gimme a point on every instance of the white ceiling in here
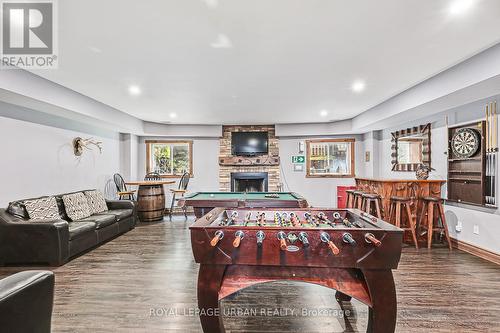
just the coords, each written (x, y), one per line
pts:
(281, 61)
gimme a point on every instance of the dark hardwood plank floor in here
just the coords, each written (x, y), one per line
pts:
(145, 281)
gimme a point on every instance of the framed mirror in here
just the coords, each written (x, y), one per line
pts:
(411, 147)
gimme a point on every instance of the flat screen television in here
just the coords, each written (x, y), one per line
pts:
(249, 143)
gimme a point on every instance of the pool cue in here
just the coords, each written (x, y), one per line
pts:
(488, 156)
(494, 134)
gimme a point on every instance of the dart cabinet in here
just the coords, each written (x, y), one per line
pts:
(466, 163)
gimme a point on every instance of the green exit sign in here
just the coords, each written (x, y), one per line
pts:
(298, 159)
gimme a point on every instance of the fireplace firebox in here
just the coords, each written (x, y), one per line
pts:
(249, 182)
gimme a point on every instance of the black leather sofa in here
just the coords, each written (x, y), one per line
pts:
(26, 300)
(55, 242)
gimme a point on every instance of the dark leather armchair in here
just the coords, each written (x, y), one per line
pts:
(26, 300)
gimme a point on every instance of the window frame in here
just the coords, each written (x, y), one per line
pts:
(189, 143)
(351, 141)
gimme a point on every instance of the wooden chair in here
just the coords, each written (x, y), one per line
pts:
(121, 188)
(372, 202)
(398, 208)
(430, 205)
(350, 198)
(152, 176)
(179, 193)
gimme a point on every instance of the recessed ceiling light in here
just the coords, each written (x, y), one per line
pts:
(211, 3)
(358, 86)
(134, 90)
(323, 113)
(95, 49)
(173, 115)
(222, 42)
(459, 7)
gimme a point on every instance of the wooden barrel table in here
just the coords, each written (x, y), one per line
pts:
(150, 199)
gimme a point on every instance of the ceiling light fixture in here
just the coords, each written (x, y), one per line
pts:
(323, 113)
(173, 115)
(358, 86)
(222, 42)
(134, 90)
(459, 7)
(95, 49)
(211, 3)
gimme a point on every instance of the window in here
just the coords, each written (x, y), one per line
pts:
(330, 158)
(169, 158)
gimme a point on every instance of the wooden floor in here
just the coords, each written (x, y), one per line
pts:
(145, 281)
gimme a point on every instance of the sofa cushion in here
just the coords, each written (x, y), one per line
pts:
(79, 228)
(100, 220)
(76, 206)
(42, 209)
(119, 213)
(96, 201)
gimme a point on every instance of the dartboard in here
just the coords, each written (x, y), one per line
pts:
(465, 142)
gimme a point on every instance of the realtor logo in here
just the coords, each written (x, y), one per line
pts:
(28, 35)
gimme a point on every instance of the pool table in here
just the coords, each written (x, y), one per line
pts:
(203, 202)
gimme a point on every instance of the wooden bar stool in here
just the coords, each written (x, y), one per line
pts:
(350, 198)
(428, 208)
(358, 200)
(371, 202)
(399, 206)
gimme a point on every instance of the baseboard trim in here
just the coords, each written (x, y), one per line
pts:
(476, 251)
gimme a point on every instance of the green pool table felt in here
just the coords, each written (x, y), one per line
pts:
(241, 196)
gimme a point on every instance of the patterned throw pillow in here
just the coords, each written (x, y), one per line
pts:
(96, 201)
(42, 209)
(76, 205)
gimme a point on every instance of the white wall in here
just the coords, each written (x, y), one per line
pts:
(129, 148)
(38, 160)
(320, 192)
(488, 220)
(205, 164)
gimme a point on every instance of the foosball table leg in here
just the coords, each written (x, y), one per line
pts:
(209, 283)
(382, 315)
(341, 297)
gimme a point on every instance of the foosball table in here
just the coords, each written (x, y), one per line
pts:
(343, 249)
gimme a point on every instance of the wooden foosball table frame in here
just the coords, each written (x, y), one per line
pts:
(364, 273)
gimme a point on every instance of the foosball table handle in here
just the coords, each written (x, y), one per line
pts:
(335, 250)
(370, 238)
(218, 236)
(237, 239)
(282, 238)
(283, 244)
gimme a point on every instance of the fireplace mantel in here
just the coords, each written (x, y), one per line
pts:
(249, 160)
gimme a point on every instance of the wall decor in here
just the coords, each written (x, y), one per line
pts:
(465, 142)
(79, 145)
(411, 147)
(422, 172)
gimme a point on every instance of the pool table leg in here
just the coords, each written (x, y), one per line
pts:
(209, 282)
(382, 315)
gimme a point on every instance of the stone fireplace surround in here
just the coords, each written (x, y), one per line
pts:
(273, 171)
